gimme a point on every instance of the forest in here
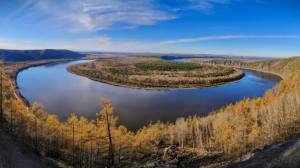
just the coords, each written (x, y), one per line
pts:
(227, 133)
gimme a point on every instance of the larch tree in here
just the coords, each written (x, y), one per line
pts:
(39, 114)
(182, 129)
(106, 118)
(72, 123)
(52, 125)
(1, 90)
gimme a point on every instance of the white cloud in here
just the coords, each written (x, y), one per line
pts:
(93, 15)
(13, 44)
(102, 43)
(206, 5)
(227, 37)
(98, 43)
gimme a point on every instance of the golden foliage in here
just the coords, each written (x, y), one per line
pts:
(232, 130)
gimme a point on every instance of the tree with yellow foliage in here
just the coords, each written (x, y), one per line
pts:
(106, 119)
(72, 124)
(39, 117)
(233, 130)
(1, 90)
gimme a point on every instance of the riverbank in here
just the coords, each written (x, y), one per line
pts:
(14, 68)
(259, 66)
(153, 73)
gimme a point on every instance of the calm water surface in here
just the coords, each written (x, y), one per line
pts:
(63, 93)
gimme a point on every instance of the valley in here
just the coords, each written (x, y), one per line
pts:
(178, 135)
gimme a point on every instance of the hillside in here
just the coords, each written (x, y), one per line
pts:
(217, 139)
(27, 157)
(34, 55)
(284, 154)
(283, 67)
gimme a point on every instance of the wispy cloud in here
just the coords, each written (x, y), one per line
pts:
(91, 15)
(14, 44)
(228, 37)
(206, 5)
(95, 15)
(103, 43)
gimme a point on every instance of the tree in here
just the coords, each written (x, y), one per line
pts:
(182, 129)
(123, 143)
(72, 122)
(39, 114)
(1, 91)
(105, 118)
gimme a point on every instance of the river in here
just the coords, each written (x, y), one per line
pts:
(63, 93)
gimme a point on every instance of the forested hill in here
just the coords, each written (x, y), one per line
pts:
(31, 55)
(283, 67)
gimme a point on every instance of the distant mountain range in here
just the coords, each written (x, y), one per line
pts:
(32, 55)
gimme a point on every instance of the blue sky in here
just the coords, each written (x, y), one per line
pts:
(237, 27)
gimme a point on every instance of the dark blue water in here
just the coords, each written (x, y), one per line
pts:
(63, 93)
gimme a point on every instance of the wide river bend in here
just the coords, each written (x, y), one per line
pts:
(63, 93)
